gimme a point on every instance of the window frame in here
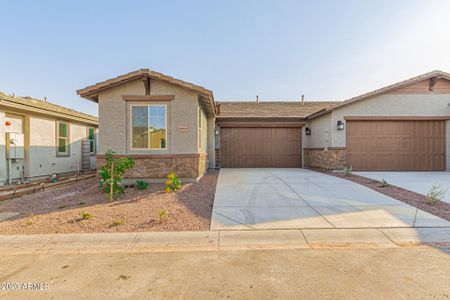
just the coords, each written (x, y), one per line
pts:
(130, 131)
(67, 138)
(93, 140)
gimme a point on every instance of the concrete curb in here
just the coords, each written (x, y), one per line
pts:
(223, 240)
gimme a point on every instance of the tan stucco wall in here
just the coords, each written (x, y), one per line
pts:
(391, 105)
(383, 105)
(42, 152)
(40, 148)
(112, 112)
(204, 135)
(114, 118)
(211, 126)
(320, 133)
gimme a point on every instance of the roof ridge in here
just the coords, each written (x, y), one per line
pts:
(144, 71)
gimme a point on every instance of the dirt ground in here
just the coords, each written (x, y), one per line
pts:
(440, 209)
(60, 210)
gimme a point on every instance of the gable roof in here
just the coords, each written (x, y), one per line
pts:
(46, 108)
(271, 109)
(91, 92)
(434, 74)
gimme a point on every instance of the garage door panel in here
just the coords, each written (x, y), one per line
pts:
(396, 145)
(260, 147)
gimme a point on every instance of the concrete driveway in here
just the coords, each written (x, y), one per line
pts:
(299, 198)
(419, 182)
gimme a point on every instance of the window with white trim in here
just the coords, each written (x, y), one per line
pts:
(148, 127)
(62, 138)
(91, 138)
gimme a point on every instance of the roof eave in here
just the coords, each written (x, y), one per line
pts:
(91, 92)
(42, 111)
(261, 117)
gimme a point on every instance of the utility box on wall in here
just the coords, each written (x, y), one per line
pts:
(15, 145)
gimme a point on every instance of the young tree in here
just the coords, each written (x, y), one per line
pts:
(112, 173)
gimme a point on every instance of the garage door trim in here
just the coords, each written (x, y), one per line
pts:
(428, 157)
(284, 151)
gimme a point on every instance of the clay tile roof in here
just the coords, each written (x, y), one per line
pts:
(44, 107)
(91, 92)
(294, 109)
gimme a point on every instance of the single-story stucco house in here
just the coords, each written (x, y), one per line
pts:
(169, 125)
(38, 139)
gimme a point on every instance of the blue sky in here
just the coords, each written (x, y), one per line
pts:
(327, 50)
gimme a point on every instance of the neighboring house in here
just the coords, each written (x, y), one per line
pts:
(38, 139)
(168, 125)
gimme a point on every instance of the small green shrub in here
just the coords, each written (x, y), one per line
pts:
(348, 171)
(384, 184)
(163, 215)
(30, 219)
(173, 183)
(142, 184)
(118, 222)
(112, 173)
(435, 194)
(86, 215)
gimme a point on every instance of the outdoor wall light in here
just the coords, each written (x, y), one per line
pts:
(340, 125)
(307, 131)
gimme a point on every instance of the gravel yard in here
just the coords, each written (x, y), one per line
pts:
(60, 210)
(440, 209)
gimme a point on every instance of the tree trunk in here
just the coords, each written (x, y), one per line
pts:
(111, 187)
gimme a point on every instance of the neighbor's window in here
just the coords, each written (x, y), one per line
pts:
(149, 128)
(62, 138)
(199, 127)
(91, 138)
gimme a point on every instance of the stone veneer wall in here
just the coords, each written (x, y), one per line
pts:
(158, 166)
(330, 159)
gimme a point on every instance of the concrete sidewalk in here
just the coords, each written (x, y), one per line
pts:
(222, 240)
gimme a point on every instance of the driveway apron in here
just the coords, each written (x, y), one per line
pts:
(299, 198)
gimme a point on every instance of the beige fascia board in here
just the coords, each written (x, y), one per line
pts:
(31, 110)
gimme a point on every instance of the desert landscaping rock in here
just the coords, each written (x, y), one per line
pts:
(59, 210)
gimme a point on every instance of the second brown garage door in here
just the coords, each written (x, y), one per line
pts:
(260, 147)
(388, 145)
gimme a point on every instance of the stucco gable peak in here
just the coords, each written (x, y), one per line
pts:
(432, 76)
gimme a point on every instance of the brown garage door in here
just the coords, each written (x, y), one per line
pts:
(242, 147)
(396, 145)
